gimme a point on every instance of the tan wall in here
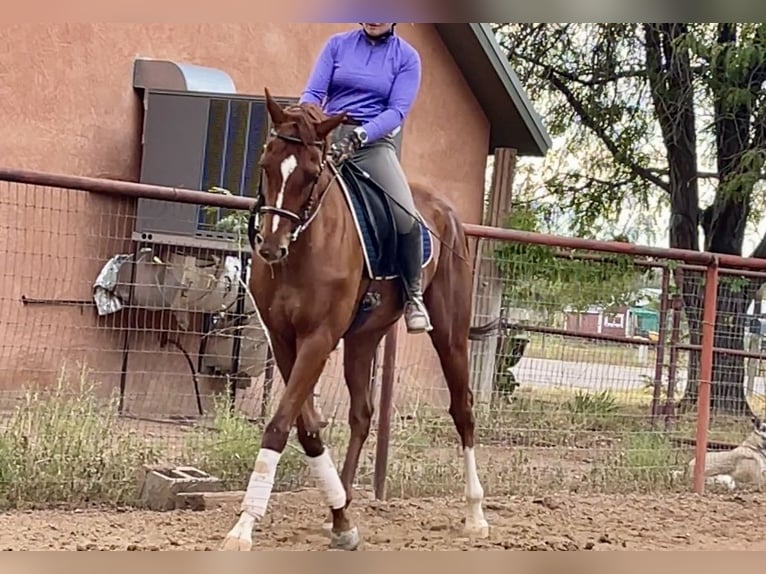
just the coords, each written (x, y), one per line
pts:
(69, 107)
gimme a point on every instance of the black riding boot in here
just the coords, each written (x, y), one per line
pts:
(410, 255)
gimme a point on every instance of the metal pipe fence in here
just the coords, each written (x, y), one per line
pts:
(600, 375)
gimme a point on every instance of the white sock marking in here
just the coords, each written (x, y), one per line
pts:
(474, 493)
(324, 472)
(287, 168)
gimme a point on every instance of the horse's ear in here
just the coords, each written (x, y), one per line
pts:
(275, 110)
(324, 128)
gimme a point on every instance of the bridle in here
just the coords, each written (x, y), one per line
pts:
(309, 209)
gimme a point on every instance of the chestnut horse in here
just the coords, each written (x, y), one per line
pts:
(308, 281)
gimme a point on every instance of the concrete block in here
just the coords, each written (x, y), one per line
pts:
(208, 500)
(161, 485)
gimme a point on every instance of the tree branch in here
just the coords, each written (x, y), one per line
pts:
(593, 81)
(610, 144)
(702, 174)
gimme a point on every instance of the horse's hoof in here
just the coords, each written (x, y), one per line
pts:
(476, 529)
(348, 540)
(236, 544)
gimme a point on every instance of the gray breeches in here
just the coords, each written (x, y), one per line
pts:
(380, 161)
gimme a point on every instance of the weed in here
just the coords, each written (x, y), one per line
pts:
(645, 461)
(228, 447)
(65, 446)
(601, 403)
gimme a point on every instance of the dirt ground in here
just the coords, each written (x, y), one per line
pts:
(630, 522)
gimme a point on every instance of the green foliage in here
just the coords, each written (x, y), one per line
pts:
(599, 403)
(647, 458)
(620, 112)
(228, 447)
(227, 220)
(67, 446)
(594, 410)
(534, 275)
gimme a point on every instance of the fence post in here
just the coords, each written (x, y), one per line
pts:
(706, 373)
(669, 411)
(659, 360)
(384, 412)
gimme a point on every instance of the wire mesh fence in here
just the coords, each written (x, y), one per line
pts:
(119, 352)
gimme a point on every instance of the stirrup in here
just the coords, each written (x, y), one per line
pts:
(416, 317)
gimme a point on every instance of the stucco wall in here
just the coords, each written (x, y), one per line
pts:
(69, 107)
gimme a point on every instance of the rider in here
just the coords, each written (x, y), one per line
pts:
(374, 76)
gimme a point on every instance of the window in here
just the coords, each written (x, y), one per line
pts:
(614, 320)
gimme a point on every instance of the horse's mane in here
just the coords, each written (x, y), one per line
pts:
(305, 116)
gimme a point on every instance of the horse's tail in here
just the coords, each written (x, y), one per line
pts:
(454, 268)
(493, 327)
(481, 332)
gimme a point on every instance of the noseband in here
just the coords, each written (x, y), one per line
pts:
(307, 212)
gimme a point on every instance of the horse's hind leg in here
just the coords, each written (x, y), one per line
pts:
(450, 316)
(343, 535)
(358, 353)
(357, 367)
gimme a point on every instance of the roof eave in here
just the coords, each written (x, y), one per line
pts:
(514, 123)
(513, 86)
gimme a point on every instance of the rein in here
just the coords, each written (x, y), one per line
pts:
(307, 213)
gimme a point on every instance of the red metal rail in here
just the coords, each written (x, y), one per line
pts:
(126, 188)
(685, 255)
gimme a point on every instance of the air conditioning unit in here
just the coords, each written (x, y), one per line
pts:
(196, 140)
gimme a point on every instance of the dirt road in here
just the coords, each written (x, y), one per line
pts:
(648, 522)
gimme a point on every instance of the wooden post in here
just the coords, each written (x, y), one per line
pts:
(488, 285)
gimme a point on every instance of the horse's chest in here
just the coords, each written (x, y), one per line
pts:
(291, 305)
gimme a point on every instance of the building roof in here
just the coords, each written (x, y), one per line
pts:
(514, 121)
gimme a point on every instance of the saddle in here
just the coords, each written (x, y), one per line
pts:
(374, 219)
(372, 210)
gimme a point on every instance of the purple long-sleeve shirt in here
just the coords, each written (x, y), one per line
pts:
(375, 83)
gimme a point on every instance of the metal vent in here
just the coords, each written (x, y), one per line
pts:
(199, 141)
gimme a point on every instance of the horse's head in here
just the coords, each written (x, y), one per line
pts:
(292, 162)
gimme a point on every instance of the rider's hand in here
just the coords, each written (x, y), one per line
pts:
(343, 149)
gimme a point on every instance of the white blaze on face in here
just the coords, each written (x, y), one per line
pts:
(286, 168)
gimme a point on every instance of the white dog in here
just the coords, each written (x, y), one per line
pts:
(745, 465)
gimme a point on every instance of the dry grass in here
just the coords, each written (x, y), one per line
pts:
(66, 447)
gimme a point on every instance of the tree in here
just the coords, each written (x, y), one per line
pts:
(610, 91)
(553, 281)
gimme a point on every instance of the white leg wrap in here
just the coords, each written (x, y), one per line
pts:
(324, 472)
(261, 482)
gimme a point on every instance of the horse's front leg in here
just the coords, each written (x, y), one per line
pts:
(312, 352)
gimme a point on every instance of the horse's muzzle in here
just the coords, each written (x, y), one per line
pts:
(272, 253)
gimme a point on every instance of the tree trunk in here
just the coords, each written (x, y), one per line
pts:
(727, 391)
